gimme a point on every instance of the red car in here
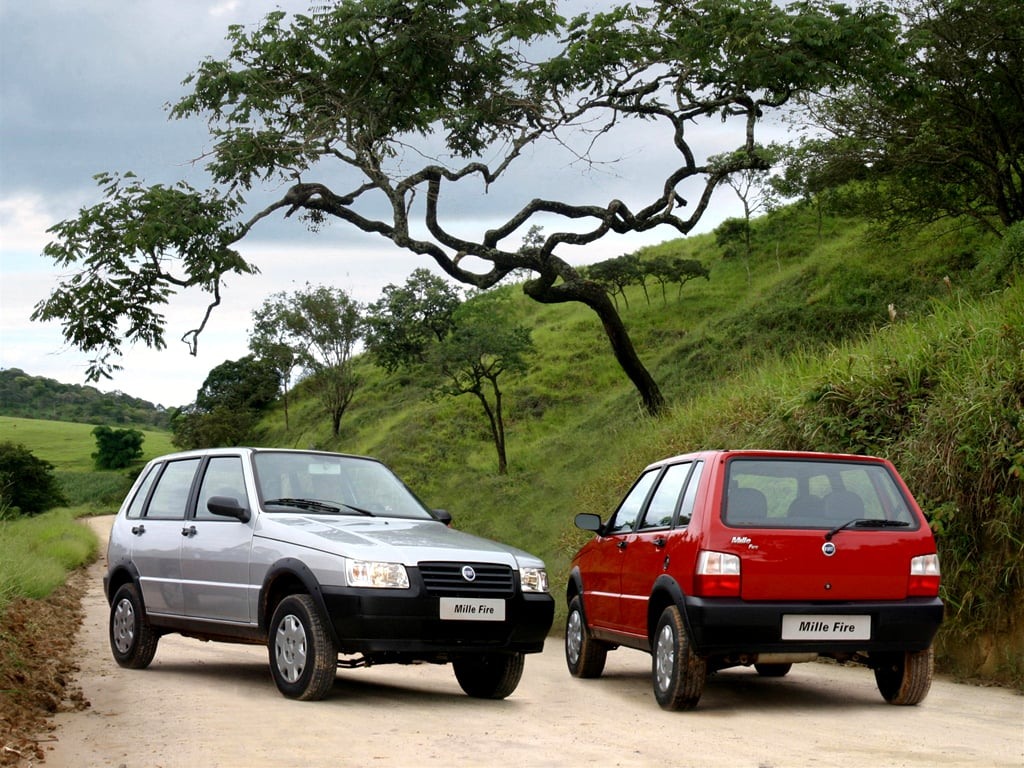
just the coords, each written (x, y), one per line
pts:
(765, 558)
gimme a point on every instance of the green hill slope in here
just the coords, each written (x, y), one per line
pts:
(791, 347)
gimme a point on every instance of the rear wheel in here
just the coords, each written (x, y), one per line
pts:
(584, 655)
(489, 675)
(303, 659)
(132, 639)
(905, 678)
(773, 670)
(678, 673)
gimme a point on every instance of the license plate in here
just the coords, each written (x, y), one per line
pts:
(826, 627)
(472, 609)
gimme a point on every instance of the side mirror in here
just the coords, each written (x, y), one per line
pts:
(443, 515)
(587, 521)
(225, 506)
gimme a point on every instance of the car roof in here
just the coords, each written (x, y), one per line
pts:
(759, 453)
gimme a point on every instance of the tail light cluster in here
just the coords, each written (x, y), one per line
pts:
(717, 575)
(924, 576)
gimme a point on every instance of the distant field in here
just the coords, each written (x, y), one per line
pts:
(67, 445)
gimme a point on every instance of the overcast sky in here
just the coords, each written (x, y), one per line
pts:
(84, 86)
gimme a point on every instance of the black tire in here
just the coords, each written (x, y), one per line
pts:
(773, 670)
(489, 675)
(132, 639)
(303, 659)
(677, 672)
(584, 655)
(905, 678)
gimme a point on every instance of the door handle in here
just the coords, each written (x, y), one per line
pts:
(190, 531)
(621, 545)
(660, 542)
(138, 530)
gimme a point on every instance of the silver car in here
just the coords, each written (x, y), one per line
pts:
(328, 559)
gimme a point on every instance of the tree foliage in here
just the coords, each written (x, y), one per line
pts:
(945, 133)
(484, 344)
(228, 406)
(27, 483)
(39, 397)
(117, 448)
(367, 87)
(407, 319)
(318, 329)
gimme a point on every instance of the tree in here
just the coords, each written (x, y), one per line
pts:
(117, 448)
(325, 324)
(753, 187)
(227, 407)
(485, 344)
(27, 483)
(945, 134)
(407, 319)
(675, 269)
(271, 342)
(367, 87)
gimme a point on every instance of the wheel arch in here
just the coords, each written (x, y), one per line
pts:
(573, 585)
(289, 577)
(123, 574)
(665, 592)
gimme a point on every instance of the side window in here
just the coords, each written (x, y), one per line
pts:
(223, 477)
(662, 508)
(686, 508)
(170, 498)
(135, 508)
(628, 511)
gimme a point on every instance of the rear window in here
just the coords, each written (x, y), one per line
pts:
(800, 493)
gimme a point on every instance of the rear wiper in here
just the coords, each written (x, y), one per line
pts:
(311, 504)
(866, 522)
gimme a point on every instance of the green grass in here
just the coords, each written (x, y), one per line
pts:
(36, 553)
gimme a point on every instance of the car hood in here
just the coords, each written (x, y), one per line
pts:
(389, 539)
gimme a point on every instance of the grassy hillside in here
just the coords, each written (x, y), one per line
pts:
(793, 347)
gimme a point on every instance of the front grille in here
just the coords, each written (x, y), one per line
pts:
(446, 580)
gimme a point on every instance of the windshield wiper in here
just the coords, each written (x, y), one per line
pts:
(866, 522)
(311, 504)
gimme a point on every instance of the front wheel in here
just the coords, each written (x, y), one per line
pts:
(905, 678)
(584, 655)
(303, 659)
(678, 673)
(489, 675)
(132, 639)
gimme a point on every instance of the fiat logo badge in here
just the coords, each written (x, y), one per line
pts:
(470, 575)
(828, 549)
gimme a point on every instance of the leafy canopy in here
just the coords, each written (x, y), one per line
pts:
(369, 113)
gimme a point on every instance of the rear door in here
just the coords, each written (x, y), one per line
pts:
(215, 549)
(157, 537)
(646, 554)
(789, 545)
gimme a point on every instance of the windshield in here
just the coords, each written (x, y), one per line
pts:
(324, 483)
(802, 493)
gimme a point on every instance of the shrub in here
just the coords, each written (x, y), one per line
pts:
(27, 483)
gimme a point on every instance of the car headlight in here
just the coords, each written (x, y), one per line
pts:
(533, 579)
(360, 573)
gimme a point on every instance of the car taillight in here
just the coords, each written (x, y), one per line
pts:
(924, 576)
(717, 575)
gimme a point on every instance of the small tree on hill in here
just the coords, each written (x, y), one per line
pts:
(117, 448)
(485, 344)
(27, 483)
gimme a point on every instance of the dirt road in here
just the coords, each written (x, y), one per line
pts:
(202, 705)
